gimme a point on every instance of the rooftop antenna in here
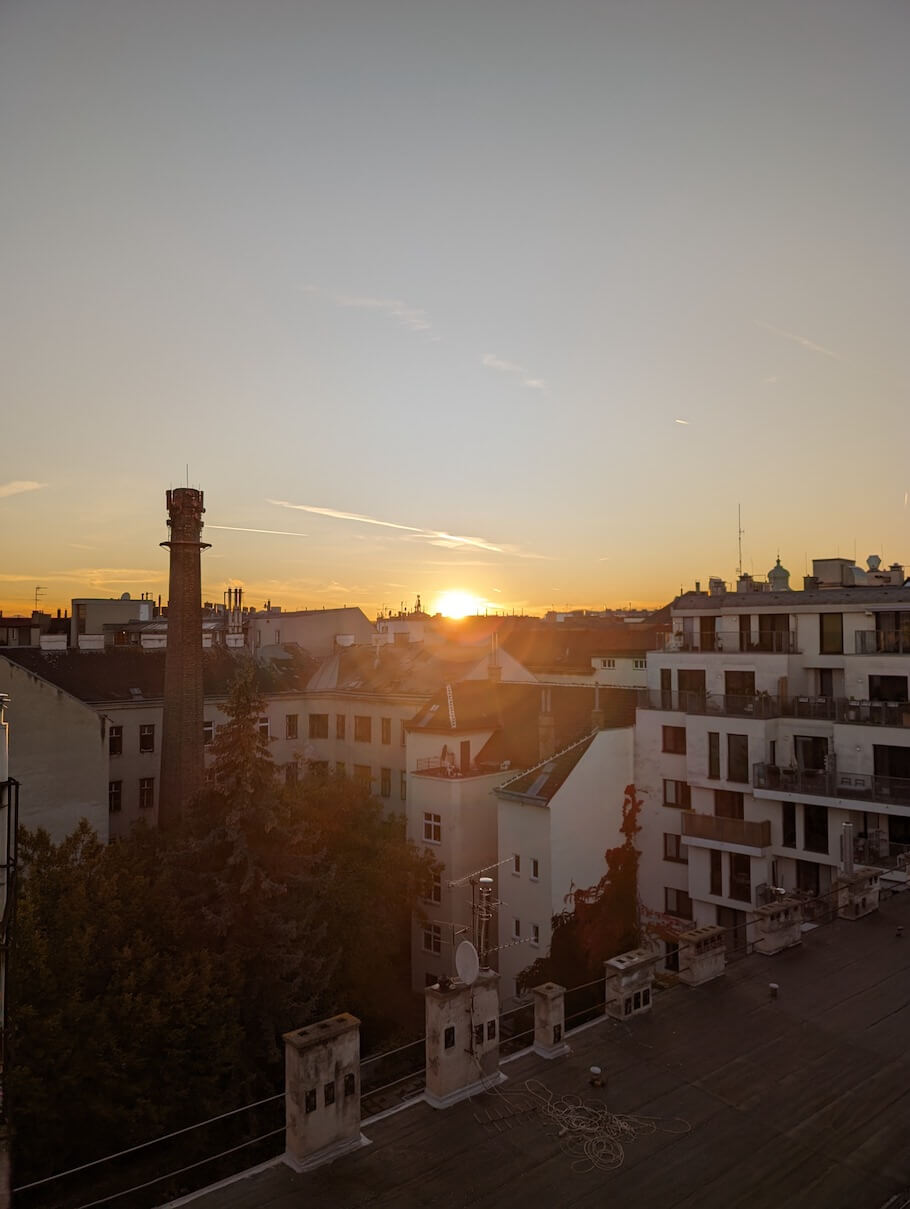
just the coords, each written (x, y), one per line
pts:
(739, 537)
(38, 591)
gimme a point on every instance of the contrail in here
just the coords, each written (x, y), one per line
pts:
(273, 532)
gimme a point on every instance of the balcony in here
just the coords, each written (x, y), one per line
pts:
(882, 642)
(714, 830)
(730, 642)
(766, 705)
(810, 782)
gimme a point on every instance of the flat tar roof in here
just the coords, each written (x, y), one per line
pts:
(798, 1101)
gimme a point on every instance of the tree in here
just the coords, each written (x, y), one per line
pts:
(602, 921)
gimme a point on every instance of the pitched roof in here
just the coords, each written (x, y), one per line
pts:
(541, 783)
(126, 674)
(388, 669)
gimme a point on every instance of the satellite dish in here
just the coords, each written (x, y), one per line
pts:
(467, 963)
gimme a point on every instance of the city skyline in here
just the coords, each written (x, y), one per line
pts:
(499, 300)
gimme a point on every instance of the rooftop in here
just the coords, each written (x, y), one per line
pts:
(729, 1099)
(861, 596)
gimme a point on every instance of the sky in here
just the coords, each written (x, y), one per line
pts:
(513, 298)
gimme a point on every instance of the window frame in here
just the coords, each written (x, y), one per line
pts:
(318, 726)
(147, 738)
(432, 938)
(432, 827)
(680, 797)
(291, 726)
(115, 740)
(385, 731)
(673, 848)
(146, 793)
(114, 797)
(673, 740)
(363, 728)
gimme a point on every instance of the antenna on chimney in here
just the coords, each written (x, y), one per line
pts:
(739, 538)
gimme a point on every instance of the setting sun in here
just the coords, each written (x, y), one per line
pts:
(458, 604)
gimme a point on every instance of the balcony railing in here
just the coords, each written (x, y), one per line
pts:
(746, 832)
(730, 641)
(810, 782)
(882, 642)
(767, 705)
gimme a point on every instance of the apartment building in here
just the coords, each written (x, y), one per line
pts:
(772, 717)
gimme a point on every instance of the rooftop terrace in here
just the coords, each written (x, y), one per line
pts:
(727, 1098)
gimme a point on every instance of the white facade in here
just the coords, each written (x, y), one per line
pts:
(772, 718)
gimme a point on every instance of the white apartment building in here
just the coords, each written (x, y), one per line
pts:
(772, 717)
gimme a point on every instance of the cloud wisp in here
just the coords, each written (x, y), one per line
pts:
(502, 366)
(413, 318)
(801, 340)
(273, 532)
(434, 537)
(18, 486)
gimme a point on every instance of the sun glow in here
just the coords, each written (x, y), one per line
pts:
(458, 604)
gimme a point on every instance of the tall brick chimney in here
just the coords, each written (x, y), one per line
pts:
(182, 745)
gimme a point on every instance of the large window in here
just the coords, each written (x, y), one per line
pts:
(386, 729)
(675, 849)
(385, 782)
(740, 877)
(146, 793)
(738, 758)
(147, 737)
(432, 938)
(319, 726)
(788, 820)
(290, 725)
(433, 889)
(115, 741)
(363, 775)
(717, 872)
(831, 633)
(432, 828)
(816, 821)
(674, 739)
(115, 796)
(677, 902)
(678, 794)
(363, 728)
(713, 755)
(264, 730)
(728, 804)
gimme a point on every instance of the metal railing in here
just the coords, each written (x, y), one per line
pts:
(749, 833)
(776, 642)
(768, 705)
(882, 642)
(811, 782)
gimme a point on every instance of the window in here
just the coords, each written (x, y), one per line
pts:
(678, 903)
(448, 1037)
(674, 849)
(433, 891)
(674, 739)
(309, 1100)
(363, 728)
(432, 938)
(328, 1094)
(318, 768)
(264, 732)
(516, 928)
(728, 804)
(788, 820)
(516, 863)
(491, 1030)
(831, 633)
(350, 1084)
(678, 794)
(277, 637)
(713, 755)
(385, 782)
(115, 796)
(340, 720)
(740, 877)
(403, 734)
(290, 725)
(816, 821)
(717, 873)
(147, 737)
(290, 773)
(115, 741)
(535, 934)
(432, 828)
(208, 733)
(403, 786)
(319, 726)
(535, 869)
(639, 664)
(146, 793)
(363, 775)
(386, 729)
(608, 663)
(340, 768)
(738, 758)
